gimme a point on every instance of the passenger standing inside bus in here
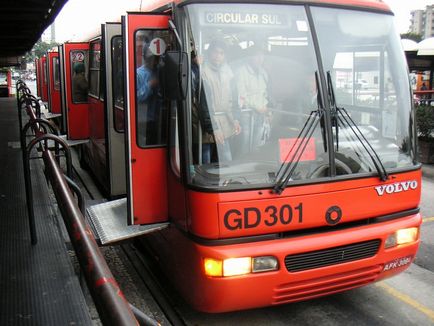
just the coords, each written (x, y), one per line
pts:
(217, 80)
(252, 88)
(148, 98)
(79, 84)
(203, 139)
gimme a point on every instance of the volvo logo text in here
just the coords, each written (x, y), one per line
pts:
(396, 187)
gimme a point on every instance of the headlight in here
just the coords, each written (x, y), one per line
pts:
(239, 266)
(402, 236)
(264, 264)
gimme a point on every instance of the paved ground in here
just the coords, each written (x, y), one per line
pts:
(428, 170)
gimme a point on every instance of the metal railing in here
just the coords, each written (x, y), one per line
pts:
(111, 304)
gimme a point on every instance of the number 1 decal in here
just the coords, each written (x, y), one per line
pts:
(157, 46)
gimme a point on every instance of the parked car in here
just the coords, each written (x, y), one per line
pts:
(360, 84)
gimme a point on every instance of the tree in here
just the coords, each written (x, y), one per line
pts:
(38, 50)
(412, 36)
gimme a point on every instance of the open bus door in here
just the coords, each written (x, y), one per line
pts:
(54, 83)
(74, 60)
(145, 209)
(114, 107)
(146, 38)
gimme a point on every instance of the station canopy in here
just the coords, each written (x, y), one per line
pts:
(22, 24)
(420, 56)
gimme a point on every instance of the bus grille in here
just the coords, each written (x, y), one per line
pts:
(325, 285)
(331, 256)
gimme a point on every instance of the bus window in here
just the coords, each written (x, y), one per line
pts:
(56, 77)
(118, 83)
(367, 68)
(255, 92)
(44, 67)
(151, 112)
(94, 68)
(78, 72)
(255, 114)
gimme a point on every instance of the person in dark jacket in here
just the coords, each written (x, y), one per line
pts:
(79, 84)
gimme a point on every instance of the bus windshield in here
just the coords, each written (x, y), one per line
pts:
(256, 103)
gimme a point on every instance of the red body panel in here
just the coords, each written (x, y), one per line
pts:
(77, 113)
(9, 78)
(148, 166)
(96, 119)
(215, 294)
(177, 203)
(357, 199)
(53, 87)
(377, 4)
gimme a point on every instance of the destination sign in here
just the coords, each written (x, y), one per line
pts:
(244, 18)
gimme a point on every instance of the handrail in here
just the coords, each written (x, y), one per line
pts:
(111, 304)
(108, 297)
(74, 187)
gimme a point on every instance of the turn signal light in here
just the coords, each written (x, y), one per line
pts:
(213, 267)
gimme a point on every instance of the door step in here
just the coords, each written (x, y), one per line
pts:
(109, 222)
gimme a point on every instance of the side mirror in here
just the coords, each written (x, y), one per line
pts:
(175, 75)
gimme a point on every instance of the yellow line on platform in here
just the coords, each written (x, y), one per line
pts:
(408, 300)
(428, 219)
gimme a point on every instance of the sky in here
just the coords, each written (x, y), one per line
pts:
(80, 19)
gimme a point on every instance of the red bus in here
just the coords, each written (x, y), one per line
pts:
(97, 114)
(5, 83)
(261, 172)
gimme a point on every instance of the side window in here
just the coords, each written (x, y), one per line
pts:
(56, 77)
(151, 110)
(118, 83)
(44, 67)
(94, 68)
(79, 81)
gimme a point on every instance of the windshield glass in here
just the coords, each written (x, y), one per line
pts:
(369, 76)
(254, 94)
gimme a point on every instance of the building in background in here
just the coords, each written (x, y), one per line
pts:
(49, 35)
(422, 22)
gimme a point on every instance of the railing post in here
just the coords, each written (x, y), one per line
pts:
(29, 196)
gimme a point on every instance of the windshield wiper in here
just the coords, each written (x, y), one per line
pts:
(286, 171)
(341, 115)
